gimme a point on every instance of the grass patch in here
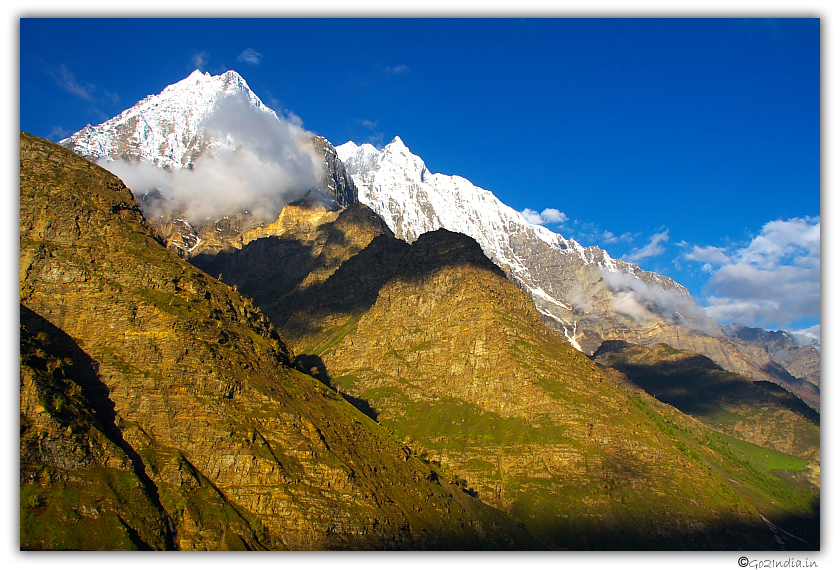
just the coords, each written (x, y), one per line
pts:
(761, 458)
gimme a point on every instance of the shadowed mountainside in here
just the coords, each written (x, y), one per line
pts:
(190, 427)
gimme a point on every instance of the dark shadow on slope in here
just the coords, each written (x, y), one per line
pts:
(693, 383)
(313, 365)
(264, 268)
(785, 378)
(84, 372)
(710, 535)
(362, 405)
(271, 270)
(795, 532)
(355, 285)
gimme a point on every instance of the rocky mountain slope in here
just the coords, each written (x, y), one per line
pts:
(802, 361)
(432, 341)
(159, 408)
(582, 293)
(758, 412)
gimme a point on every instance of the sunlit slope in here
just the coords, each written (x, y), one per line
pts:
(435, 343)
(159, 409)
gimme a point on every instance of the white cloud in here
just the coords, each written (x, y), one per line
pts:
(251, 56)
(810, 335)
(396, 70)
(547, 216)
(294, 119)
(652, 249)
(554, 216)
(532, 216)
(645, 302)
(708, 255)
(609, 237)
(773, 280)
(263, 165)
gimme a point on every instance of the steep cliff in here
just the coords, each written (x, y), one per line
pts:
(159, 408)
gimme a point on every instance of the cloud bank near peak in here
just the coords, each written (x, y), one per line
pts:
(644, 302)
(255, 162)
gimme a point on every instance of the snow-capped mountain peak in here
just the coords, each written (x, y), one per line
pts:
(193, 119)
(165, 129)
(397, 185)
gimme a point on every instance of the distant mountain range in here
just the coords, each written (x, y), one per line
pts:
(582, 293)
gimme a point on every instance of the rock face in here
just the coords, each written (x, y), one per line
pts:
(336, 183)
(803, 362)
(730, 353)
(194, 237)
(432, 341)
(159, 408)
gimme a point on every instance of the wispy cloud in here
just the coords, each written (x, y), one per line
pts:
(772, 280)
(58, 133)
(609, 237)
(709, 256)
(251, 56)
(645, 302)
(396, 69)
(652, 249)
(370, 134)
(547, 216)
(66, 79)
(199, 60)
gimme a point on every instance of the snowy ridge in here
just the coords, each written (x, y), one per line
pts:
(164, 129)
(397, 185)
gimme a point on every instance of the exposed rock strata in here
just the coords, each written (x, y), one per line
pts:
(197, 418)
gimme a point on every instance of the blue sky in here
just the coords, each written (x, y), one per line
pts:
(688, 146)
